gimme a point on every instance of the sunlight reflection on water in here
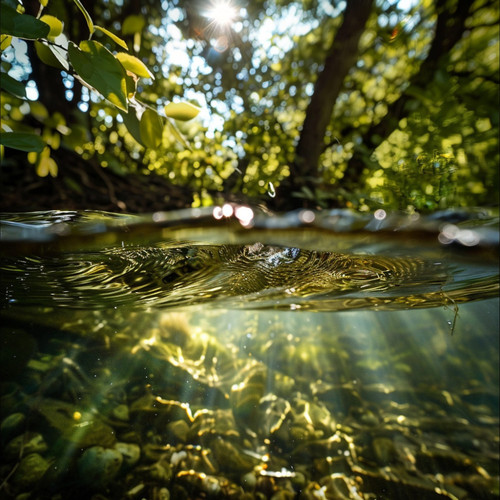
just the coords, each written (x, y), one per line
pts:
(206, 345)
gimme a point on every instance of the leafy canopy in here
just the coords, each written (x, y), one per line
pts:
(111, 75)
(253, 78)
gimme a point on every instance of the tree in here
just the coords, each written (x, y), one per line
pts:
(340, 58)
(363, 104)
(449, 29)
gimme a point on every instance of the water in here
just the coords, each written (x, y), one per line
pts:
(227, 353)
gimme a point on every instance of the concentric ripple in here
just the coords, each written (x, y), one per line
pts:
(167, 271)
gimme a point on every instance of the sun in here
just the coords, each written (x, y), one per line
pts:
(222, 12)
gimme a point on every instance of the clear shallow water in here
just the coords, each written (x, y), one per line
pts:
(213, 355)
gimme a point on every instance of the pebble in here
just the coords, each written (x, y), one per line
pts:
(31, 469)
(178, 430)
(121, 412)
(11, 426)
(98, 466)
(29, 442)
(130, 452)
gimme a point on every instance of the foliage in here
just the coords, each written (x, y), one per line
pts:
(409, 130)
(112, 76)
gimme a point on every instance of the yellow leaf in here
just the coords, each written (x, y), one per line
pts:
(5, 41)
(53, 167)
(32, 157)
(46, 166)
(56, 25)
(181, 110)
(134, 65)
(113, 37)
(86, 15)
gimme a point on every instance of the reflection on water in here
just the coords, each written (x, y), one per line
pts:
(183, 368)
(342, 263)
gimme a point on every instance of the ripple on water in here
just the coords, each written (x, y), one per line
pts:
(337, 262)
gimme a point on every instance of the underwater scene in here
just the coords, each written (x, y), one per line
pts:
(230, 353)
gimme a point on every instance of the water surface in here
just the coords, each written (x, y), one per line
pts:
(228, 353)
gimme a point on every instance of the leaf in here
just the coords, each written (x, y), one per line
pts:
(5, 41)
(86, 15)
(113, 37)
(97, 66)
(56, 25)
(24, 141)
(131, 85)
(183, 111)
(21, 25)
(12, 86)
(32, 157)
(46, 166)
(178, 135)
(133, 24)
(151, 128)
(134, 65)
(51, 55)
(133, 125)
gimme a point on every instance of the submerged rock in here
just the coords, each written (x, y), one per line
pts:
(29, 442)
(98, 466)
(131, 454)
(11, 426)
(31, 470)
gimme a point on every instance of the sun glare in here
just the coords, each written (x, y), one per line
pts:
(222, 12)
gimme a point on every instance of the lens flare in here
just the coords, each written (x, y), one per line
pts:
(222, 13)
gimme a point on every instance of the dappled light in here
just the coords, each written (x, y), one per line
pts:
(249, 249)
(409, 129)
(225, 353)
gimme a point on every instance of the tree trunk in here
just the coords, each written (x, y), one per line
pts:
(450, 26)
(341, 56)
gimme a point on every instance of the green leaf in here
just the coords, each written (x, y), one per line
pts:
(134, 65)
(183, 111)
(12, 86)
(23, 141)
(151, 128)
(113, 37)
(86, 15)
(21, 25)
(133, 24)
(99, 68)
(133, 125)
(172, 127)
(56, 25)
(51, 55)
(131, 85)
